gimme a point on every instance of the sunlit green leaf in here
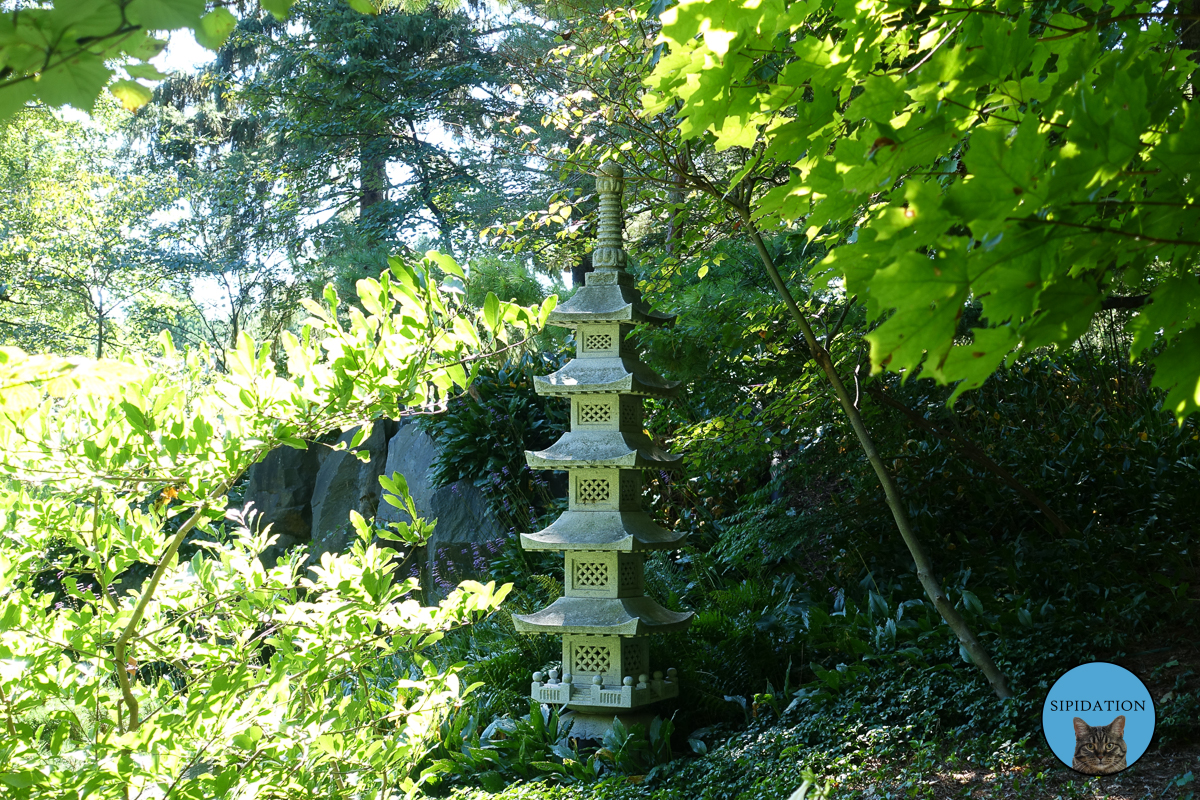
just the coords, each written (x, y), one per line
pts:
(214, 28)
(166, 15)
(280, 9)
(132, 94)
(491, 311)
(147, 72)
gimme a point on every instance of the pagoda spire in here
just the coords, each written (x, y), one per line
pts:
(609, 254)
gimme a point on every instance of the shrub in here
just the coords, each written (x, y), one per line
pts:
(216, 676)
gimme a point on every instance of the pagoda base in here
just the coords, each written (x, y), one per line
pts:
(598, 698)
(594, 727)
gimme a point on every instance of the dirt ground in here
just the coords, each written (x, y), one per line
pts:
(1151, 778)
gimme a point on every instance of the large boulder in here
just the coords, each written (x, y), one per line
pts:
(345, 484)
(280, 487)
(466, 529)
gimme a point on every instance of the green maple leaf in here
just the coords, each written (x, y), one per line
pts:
(1067, 308)
(972, 364)
(132, 94)
(147, 72)
(1006, 274)
(91, 17)
(13, 97)
(280, 9)
(165, 15)
(1182, 154)
(1177, 371)
(1005, 45)
(214, 28)
(976, 199)
(76, 81)
(882, 97)
(1003, 177)
(928, 295)
(1174, 307)
(146, 48)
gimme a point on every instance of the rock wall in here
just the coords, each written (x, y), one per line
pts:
(465, 524)
(307, 496)
(345, 484)
(281, 490)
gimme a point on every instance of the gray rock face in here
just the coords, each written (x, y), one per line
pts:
(466, 529)
(345, 484)
(307, 495)
(281, 487)
(411, 452)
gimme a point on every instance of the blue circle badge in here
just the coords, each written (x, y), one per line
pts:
(1098, 718)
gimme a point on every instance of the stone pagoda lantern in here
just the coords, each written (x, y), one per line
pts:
(604, 616)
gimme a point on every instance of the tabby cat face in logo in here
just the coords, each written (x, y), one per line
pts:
(1099, 749)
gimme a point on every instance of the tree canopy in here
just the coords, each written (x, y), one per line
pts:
(1040, 160)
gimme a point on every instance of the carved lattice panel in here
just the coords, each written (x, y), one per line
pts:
(631, 490)
(592, 490)
(627, 575)
(591, 574)
(595, 413)
(633, 661)
(597, 341)
(631, 414)
(591, 659)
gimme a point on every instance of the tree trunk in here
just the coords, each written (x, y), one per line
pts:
(675, 216)
(372, 190)
(372, 180)
(579, 271)
(100, 331)
(925, 573)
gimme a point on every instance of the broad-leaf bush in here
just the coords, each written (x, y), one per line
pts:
(216, 677)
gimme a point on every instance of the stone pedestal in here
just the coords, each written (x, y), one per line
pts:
(604, 615)
(594, 726)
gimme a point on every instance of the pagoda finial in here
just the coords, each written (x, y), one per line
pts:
(609, 255)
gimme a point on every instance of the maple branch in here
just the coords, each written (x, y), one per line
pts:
(925, 570)
(936, 47)
(1137, 237)
(83, 46)
(1132, 301)
(8, 717)
(148, 592)
(1115, 202)
(838, 326)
